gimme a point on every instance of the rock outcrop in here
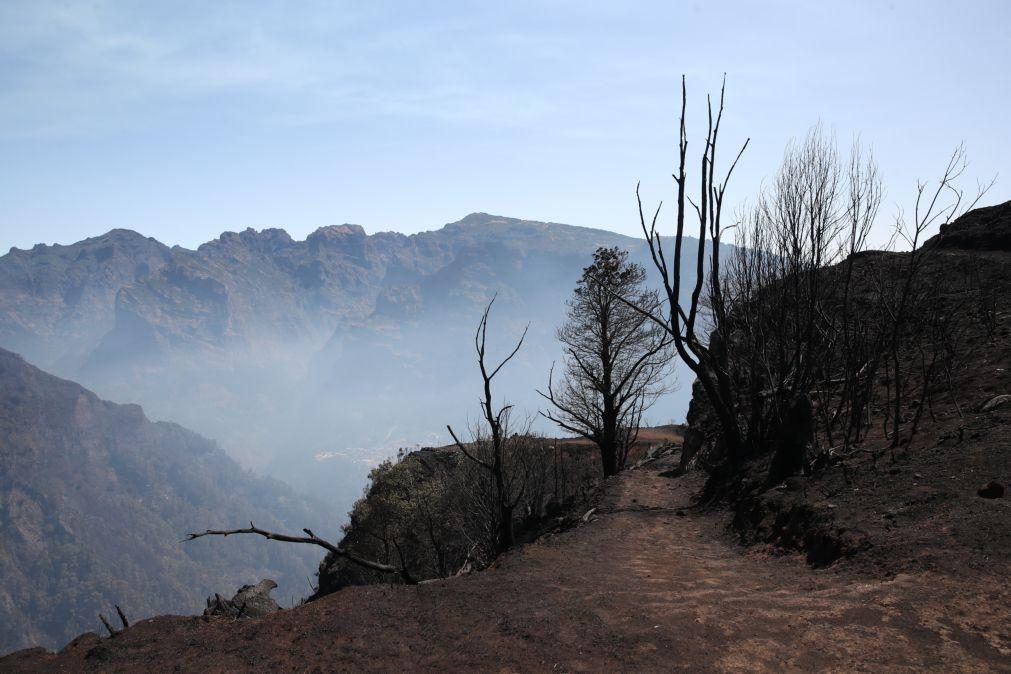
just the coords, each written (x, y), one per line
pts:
(250, 601)
(986, 228)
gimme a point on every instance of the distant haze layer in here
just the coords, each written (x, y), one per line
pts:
(308, 360)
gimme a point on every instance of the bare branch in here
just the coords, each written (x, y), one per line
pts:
(310, 539)
(463, 449)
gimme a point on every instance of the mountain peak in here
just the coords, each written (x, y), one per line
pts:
(481, 218)
(122, 234)
(339, 230)
(113, 236)
(267, 240)
(341, 236)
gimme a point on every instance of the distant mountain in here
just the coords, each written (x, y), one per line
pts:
(95, 501)
(308, 359)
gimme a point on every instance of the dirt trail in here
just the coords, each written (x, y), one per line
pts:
(638, 588)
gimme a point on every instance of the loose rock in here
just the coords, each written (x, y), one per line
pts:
(251, 601)
(995, 402)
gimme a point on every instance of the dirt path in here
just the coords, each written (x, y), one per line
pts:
(639, 588)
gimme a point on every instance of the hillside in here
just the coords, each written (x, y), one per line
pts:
(915, 491)
(874, 557)
(94, 501)
(309, 360)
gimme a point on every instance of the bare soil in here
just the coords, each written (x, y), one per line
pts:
(649, 583)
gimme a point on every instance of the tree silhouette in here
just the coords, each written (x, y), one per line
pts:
(491, 448)
(616, 357)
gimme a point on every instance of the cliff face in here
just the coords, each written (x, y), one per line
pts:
(61, 300)
(94, 501)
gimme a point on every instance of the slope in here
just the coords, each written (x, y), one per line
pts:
(649, 584)
(94, 501)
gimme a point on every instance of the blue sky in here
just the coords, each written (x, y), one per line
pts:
(185, 119)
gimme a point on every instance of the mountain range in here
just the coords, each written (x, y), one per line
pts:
(308, 360)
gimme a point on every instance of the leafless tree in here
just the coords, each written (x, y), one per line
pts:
(616, 357)
(684, 322)
(489, 448)
(776, 331)
(795, 337)
(806, 327)
(933, 207)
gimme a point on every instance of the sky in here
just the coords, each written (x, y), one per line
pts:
(182, 120)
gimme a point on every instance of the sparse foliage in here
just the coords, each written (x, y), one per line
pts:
(616, 357)
(436, 512)
(793, 334)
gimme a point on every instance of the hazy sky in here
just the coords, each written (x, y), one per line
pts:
(185, 119)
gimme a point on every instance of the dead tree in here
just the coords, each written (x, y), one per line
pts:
(790, 319)
(939, 206)
(804, 324)
(312, 539)
(489, 448)
(784, 323)
(615, 358)
(685, 323)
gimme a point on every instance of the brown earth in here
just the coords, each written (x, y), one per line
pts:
(647, 437)
(650, 583)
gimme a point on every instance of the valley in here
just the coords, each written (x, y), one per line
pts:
(309, 361)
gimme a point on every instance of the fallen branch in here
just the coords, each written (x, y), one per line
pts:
(644, 462)
(312, 539)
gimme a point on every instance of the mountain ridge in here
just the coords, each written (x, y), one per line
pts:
(476, 218)
(283, 349)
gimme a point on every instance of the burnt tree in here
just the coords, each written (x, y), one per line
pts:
(686, 321)
(490, 446)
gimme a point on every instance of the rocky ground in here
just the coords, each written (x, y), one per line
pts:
(650, 582)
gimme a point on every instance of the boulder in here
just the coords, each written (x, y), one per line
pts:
(995, 402)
